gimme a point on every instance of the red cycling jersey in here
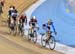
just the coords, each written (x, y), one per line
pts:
(23, 17)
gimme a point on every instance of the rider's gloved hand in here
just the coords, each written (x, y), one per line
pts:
(43, 25)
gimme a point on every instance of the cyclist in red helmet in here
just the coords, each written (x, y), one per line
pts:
(23, 19)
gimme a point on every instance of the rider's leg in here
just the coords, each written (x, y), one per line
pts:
(15, 22)
(26, 21)
(23, 21)
(11, 24)
(48, 36)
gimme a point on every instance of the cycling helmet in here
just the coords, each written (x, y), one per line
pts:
(49, 20)
(11, 8)
(34, 17)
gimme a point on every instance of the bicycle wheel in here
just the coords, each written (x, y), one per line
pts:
(14, 32)
(22, 32)
(34, 36)
(52, 42)
(29, 38)
(43, 41)
(14, 29)
(11, 28)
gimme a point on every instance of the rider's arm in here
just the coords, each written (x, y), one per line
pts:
(53, 27)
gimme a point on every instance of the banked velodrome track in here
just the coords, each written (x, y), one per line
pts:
(18, 45)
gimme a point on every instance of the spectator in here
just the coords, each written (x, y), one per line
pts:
(2, 2)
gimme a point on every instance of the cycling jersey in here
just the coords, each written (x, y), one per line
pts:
(48, 28)
(33, 22)
(14, 14)
(23, 18)
(10, 12)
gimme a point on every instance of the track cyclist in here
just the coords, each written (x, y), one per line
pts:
(47, 27)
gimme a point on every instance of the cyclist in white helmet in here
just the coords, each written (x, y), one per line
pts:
(33, 22)
(47, 27)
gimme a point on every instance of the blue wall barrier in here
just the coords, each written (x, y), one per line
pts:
(64, 21)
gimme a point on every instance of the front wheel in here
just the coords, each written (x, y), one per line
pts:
(43, 41)
(35, 37)
(22, 31)
(29, 32)
(52, 42)
(9, 22)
